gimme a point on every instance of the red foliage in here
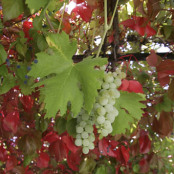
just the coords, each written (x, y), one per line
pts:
(153, 59)
(43, 160)
(164, 69)
(140, 25)
(131, 86)
(11, 163)
(26, 27)
(27, 102)
(11, 122)
(74, 160)
(144, 142)
(3, 154)
(84, 11)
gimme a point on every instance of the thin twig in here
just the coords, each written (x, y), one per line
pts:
(49, 22)
(61, 18)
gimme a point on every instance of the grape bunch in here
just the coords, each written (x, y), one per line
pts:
(84, 129)
(104, 109)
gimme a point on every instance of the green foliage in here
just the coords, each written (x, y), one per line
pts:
(12, 9)
(71, 127)
(165, 105)
(101, 170)
(87, 166)
(60, 125)
(3, 54)
(129, 108)
(8, 80)
(36, 5)
(64, 80)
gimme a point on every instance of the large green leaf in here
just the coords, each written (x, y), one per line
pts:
(35, 5)
(65, 81)
(12, 9)
(129, 108)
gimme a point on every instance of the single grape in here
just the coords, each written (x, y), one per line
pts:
(101, 111)
(84, 135)
(78, 136)
(86, 142)
(89, 128)
(100, 119)
(85, 150)
(104, 132)
(110, 117)
(112, 86)
(117, 81)
(91, 146)
(78, 142)
(109, 108)
(103, 100)
(105, 85)
(107, 124)
(82, 123)
(79, 129)
(91, 138)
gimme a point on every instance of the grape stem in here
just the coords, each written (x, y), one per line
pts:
(106, 25)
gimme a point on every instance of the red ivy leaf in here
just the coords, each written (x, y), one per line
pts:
(125, 153)
(131, 86)
(43, 160)
(3, 154)
(51, 137)
(27, 102)
(140, 25)
(144, 142)
(74, 160)
(164, 125)
(59, 149)
(107, 147)
(84, 11)
(11, 163)
(153, 59)
(144, 165)
(69, 143)
(164, 69)
(11, 122)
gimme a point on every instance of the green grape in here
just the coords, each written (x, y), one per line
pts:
(78, 142)
(91, 146)
(85, 150)
(104, 132)
(84, 135)
(85, 142)
(89, 128)
(79, 129)
(100, 119)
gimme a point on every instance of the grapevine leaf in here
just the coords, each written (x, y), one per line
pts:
(65, 81)
(3, 54)
(36, 5)
(121, 122)
(129, 108)
(12, 9)
(7, 83)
